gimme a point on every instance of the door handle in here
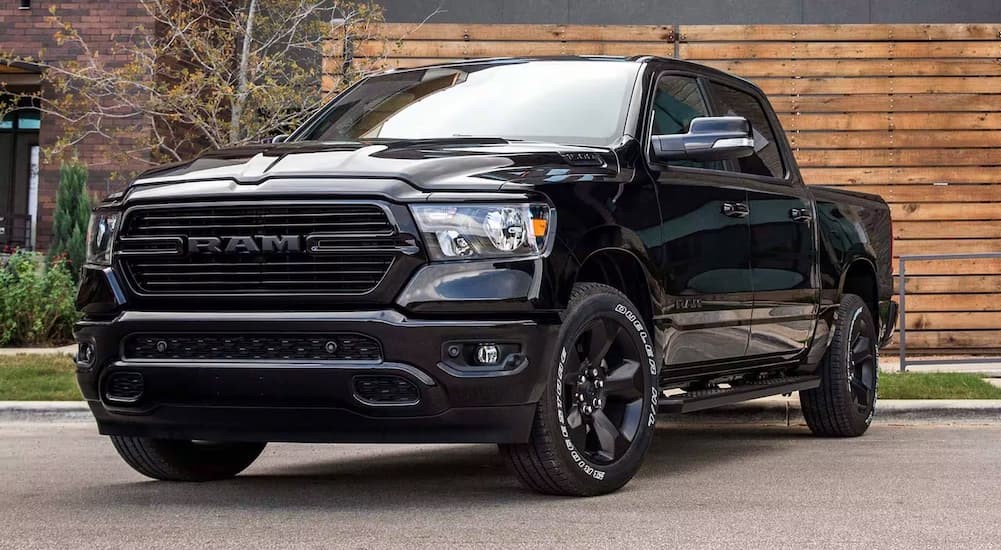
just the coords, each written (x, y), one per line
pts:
(800, 214)
(735, 209)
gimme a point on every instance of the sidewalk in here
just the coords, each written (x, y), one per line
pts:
(64, 350)
(891, 363)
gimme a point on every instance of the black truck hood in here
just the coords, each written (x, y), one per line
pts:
(481, 164)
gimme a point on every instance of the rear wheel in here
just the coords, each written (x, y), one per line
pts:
(595, 420)
(182, 460)
(845, 402)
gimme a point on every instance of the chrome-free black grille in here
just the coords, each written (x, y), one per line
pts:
(262, 219)
(254, 347)
(343, 274)
(358, 242)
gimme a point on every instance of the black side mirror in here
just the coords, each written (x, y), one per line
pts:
(708, 138)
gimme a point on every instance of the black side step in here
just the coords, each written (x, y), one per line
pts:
(707, 399)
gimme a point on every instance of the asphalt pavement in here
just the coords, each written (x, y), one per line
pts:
(914, 486)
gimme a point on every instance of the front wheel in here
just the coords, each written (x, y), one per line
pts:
(181, 460)
(596, 418)
(845, 402)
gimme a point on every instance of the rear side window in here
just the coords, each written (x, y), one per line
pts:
(767, 159)
(676, 101)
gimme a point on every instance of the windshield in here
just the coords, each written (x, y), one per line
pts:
(568, 102)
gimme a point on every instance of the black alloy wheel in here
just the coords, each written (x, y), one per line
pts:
(862, 365)
(605, 386)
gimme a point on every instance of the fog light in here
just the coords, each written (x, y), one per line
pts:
(85, 353)
(481, 358)
(487, 354)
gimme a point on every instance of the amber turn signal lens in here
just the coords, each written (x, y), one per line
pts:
(539, 227)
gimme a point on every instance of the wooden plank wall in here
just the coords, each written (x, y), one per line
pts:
(910, 112)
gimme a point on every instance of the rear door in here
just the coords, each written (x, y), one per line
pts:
(782, 230)
(705, 253)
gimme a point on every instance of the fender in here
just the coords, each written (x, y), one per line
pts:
(603, 240)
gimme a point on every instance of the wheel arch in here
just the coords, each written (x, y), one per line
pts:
(623, 270)
(859, 278)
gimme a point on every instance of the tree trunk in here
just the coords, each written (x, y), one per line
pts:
(235, 130)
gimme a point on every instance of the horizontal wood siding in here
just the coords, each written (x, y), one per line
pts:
(901, 111)
(910, 112)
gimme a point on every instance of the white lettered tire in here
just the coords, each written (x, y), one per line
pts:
(596, 419)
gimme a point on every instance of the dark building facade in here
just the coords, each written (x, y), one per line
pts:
(28, 183)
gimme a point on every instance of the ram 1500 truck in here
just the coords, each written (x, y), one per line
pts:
(541, 253)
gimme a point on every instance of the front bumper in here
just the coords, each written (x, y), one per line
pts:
(316, 401)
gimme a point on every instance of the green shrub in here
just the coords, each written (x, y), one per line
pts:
(70, 219)
(36, 301)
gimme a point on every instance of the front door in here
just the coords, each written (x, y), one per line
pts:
(18, 138)
(705, 253)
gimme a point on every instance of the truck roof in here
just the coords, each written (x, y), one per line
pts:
(608, 58)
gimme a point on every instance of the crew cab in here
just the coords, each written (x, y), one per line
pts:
(543, 253)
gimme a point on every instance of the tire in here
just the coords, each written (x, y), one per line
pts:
(181, 460)
(845, 402)
(594, 423)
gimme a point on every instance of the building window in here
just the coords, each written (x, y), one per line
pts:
(24, 5)
(22, 119)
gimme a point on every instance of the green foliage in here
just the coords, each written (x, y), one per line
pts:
(935, 385)
(36, 301)
(69, 231)
(38, 378)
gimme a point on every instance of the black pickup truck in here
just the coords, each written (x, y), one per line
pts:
(540, 253)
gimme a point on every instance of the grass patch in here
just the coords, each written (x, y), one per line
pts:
(38, 378)
(935, 385)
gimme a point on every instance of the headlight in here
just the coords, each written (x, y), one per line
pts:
(103, 224)
(471, 231)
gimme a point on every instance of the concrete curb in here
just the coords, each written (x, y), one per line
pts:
(44, 410)
(770, 410)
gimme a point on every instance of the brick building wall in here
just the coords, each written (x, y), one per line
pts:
(30, 32)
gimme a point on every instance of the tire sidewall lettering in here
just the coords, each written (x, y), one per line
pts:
(636, 322)
(651, 361)
(575, 455)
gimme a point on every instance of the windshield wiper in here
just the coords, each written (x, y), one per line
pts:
(455, 140)
(471, 137)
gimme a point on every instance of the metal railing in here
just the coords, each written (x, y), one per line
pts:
(902, 273)
(15, 231)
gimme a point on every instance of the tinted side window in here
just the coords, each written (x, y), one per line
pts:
(676, 101)
(767, 159)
